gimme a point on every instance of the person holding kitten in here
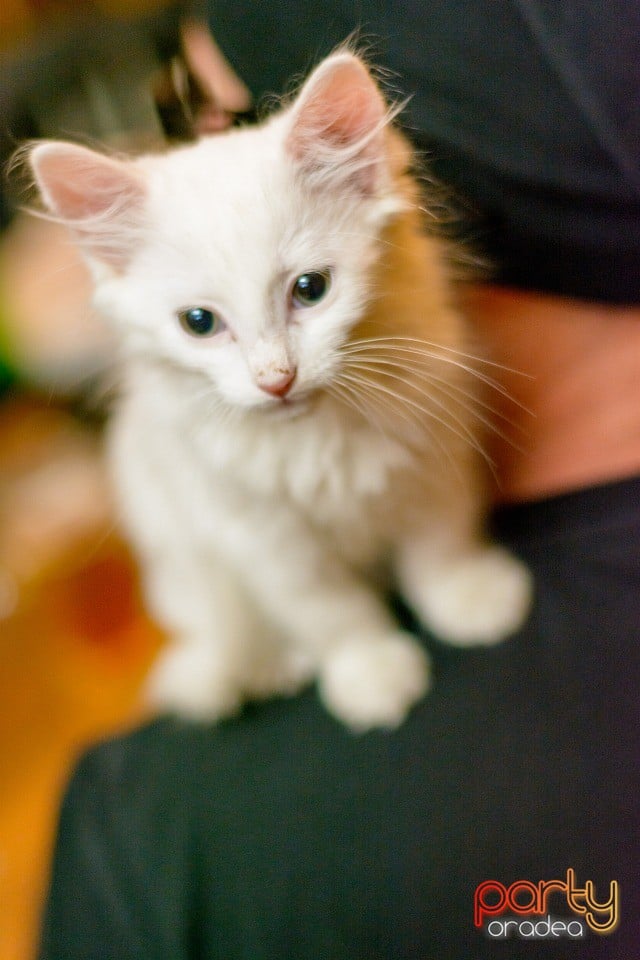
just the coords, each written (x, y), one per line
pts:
(279, 833)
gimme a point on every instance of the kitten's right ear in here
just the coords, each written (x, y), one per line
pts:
(98, 198)
(338, 122)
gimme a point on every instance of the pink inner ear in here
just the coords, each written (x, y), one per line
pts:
(78, 184)
(96, 196)
(339, 107)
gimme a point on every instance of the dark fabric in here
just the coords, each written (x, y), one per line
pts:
(530, 108)
(280, 836)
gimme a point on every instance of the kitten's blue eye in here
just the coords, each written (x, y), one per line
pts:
(309, 288)
(200, 322)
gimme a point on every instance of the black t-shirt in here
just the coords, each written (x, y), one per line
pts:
(529, 108)
(281, 836)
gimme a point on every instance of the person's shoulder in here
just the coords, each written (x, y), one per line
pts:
(163, 751)
(288, 741)
(171, 751)
(131, 767)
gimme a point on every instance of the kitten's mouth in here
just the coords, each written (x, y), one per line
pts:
(291, 406)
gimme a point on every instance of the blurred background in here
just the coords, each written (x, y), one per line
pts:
(74, 642)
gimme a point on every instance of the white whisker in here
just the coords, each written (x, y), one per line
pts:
(467, 400)
(365, 389)
(409, 411)
(465, 433)
(428, 357)
(432, 345)
(346, 393)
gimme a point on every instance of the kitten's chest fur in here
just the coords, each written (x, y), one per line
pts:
(349, 481)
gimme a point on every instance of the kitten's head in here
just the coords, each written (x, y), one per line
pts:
(248, 257)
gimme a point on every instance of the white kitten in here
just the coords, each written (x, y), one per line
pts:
(296, 414)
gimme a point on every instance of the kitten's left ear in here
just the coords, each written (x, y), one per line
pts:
(338, 122)
(98, 198)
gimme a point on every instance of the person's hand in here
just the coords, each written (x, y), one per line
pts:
(222, 92)
(199, 92)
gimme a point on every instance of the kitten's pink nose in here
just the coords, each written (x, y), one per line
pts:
(278, 386)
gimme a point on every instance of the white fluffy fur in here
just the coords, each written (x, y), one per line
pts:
(262, 525)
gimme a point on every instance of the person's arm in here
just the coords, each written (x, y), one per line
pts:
(575, 389)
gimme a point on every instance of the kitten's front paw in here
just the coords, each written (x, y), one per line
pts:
(374, 683)
(478, 599)
(276, 670)
(187, 680)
